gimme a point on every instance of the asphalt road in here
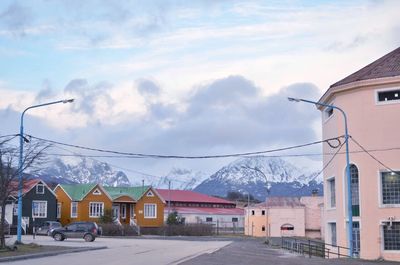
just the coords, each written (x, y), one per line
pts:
(124, 251)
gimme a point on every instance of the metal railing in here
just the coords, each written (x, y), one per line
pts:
(314, 248)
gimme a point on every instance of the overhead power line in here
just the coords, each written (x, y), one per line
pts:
(371, 155)
(142, 155)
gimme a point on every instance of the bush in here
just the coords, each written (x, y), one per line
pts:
(118, 230)
(107, 217)
(179, 230)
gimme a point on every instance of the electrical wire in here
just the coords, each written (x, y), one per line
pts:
(372, 156)
(322, 170)
(142, 155)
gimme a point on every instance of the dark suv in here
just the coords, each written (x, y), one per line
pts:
(46, 227)
(86, 230)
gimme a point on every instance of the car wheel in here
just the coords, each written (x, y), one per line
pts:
(88, 238)
(58, 237)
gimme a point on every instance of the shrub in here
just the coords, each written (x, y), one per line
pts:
(180, 230)
(118, 230)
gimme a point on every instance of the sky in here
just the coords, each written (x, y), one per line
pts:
(183, 77)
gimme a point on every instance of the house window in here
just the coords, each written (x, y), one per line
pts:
(74, 209)
(332, 192)
(235, 219)
(208, 219)
(15, 209)
(131, 211)
(96, 209)
(328, 112)
(39, 209)
(391, 236)
(332, 229)
(389, 95)
(287, 227)
(150, 210)
(263, 228)
(355, 199)
(390, 187)
(58, 210)
(253, 212)
(150, 194)
(40, 189)
(263, 212)
(97, 192)
(123, 211)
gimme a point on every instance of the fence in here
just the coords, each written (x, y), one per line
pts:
(313, 248)
(226, 227)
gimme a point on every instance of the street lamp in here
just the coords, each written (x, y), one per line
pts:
(20, 166)
(346, 136)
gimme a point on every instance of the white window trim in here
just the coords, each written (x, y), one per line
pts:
(328, 231)
(37, 185)
(76, 214)
(380, 193)
(123, 211)
(58, 210)
(377, 102)
(381, 223)
(45, 212)
(328, 203)
(102, 209)
(132, 211)
(325, 119)
(96, 192)
(155, 211)
(150, 194)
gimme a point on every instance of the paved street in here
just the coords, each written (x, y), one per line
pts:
(124, 251)
(179, 250)
(254, 252)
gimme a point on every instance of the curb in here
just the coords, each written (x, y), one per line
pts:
(49, 253)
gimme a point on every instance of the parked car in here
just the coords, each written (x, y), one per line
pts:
(86, 230)
(46, 227)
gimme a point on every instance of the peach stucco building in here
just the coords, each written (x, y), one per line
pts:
(371, 99)
(285, 216)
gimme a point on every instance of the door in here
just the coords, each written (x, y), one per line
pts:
(115, 211)
(356, 239)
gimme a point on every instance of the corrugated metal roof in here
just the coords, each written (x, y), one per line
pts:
(190, 196)
(133, 192)
(204, 210)
(77, 191)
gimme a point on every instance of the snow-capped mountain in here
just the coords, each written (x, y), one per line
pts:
(183, 179)
(83, 170)
(255, 174)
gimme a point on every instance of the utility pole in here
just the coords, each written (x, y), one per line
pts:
(169, 197)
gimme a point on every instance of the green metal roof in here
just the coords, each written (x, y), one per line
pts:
(77, 191)
(133, 192)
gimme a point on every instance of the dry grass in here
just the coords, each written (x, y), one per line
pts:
(29, 249)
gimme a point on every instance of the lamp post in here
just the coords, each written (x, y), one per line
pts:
(349, 201)
(20, 166)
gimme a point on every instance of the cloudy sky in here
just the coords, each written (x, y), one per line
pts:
(182, 77)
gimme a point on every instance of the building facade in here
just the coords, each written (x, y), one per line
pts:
(136, 206)
(371, 100)
(285, 216)
(196, 207)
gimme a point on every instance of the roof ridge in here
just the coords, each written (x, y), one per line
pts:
(370, 71)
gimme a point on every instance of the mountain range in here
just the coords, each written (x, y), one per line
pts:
(260, 176)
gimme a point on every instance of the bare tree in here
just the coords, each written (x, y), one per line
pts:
(34, 153)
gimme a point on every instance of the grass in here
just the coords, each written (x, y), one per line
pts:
(29, 249)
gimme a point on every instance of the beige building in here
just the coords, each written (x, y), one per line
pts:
(285, 216)
(370, 98)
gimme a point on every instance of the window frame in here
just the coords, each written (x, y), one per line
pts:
(131, 211)
(329, 190)
(377, 91)
(99, 211)
(380, 191)
(45, 209)
(123, 211)
(146, 212)
(72, 207)
(383, 224)
(58, 216)
(40, 185)
(330, 225)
